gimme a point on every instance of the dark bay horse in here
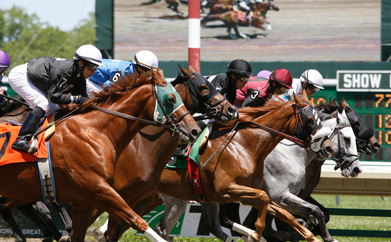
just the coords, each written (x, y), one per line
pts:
(235, 172)
(86, 146)
(152, 147)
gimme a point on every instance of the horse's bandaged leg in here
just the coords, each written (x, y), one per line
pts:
(153, 236)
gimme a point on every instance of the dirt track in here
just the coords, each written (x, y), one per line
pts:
(319, 30)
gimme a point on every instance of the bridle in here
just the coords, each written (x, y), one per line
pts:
(212, 107)
(341, 158)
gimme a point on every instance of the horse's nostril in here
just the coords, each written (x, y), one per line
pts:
(357, 170)
(329, 149)
(194, 132)
(377, 145)
(231, 109)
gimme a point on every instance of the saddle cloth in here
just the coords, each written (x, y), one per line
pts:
(8, 135)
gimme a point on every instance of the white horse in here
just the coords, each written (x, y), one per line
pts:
(284, 176)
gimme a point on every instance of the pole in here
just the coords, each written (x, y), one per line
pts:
(194, 35)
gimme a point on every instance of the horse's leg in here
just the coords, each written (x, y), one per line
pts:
(174, 208)
(105, 197)
(252, 197)
(40, 215)
(80, 220)
(309, 211)
(277, 211)
(212, 213)
(60, 208)
(7, 216)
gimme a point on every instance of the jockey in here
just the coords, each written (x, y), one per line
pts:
(311, 80)
(280, 80)
(251, 86)
(4, 65)
(45, 82)
(237, 75)
(111, 70)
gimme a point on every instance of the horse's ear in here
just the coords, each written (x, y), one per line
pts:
(304, 95)
(190, 68)
(185, 72)
(299, 101)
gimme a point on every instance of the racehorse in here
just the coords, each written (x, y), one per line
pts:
(86, 146)
(235, 172)
(284, 175)
(234, 19)
(154, 147)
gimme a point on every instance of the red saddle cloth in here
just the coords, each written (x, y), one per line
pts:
(8, 135)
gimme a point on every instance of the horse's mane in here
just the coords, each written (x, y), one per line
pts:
(125, 84)
(249, 114)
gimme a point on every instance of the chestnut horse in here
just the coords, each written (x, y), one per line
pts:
(152, 147)
(236, 174)
(86, 146)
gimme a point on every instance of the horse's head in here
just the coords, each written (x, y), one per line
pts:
(199, 95)
(145, 99)
(344, 139)
(309, 127)
(366, 142)
(169, 109)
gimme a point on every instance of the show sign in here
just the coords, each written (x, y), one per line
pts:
(364, 81)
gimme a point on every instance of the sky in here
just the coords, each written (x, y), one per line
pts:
(65, 14)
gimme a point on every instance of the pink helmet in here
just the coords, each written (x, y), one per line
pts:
(282, 76)
(4, 59)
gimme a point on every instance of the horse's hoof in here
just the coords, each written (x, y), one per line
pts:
(65, 238)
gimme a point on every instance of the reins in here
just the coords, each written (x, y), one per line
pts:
(286, 136)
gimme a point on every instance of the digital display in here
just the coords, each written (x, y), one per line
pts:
(373, 108)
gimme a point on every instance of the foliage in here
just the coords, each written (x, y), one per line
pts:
(24, 36)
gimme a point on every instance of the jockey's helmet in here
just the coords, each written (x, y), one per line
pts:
(239, 67)
(147, 59)
(264, 74)
(88, 53)
(4, 60)
(312, 77)
(282, 76)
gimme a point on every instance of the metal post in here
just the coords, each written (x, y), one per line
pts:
(194, 34)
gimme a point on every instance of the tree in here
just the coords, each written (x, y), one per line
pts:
(24, 36)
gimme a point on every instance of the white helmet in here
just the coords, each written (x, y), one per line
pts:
(146, 59)
(89, 53)
(313, 77)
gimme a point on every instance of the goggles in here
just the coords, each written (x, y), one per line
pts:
(92, 67)
(3, 69)
(244, 78)
(312, 87)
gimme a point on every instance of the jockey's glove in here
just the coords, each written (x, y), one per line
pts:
(78, 99)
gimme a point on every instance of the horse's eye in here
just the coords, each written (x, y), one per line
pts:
(347, 141)
(317, 140)
(169, 99)
(204, 90)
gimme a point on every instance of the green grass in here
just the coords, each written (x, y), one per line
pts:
(336, 222)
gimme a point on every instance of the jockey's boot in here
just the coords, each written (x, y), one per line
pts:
(180, 153)
(29, 126)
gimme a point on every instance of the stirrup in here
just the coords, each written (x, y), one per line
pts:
(21, 144)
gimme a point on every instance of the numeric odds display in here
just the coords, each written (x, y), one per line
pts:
(373, 107)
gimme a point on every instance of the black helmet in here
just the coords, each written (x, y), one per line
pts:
(239, 67)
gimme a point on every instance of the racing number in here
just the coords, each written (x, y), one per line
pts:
(7, 137)
(116, 76)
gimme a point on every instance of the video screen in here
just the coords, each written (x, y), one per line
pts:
(287, 30)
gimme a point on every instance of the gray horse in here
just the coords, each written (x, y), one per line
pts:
(284, 176)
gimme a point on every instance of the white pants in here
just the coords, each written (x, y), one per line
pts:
(21, 84)
(93, 87)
